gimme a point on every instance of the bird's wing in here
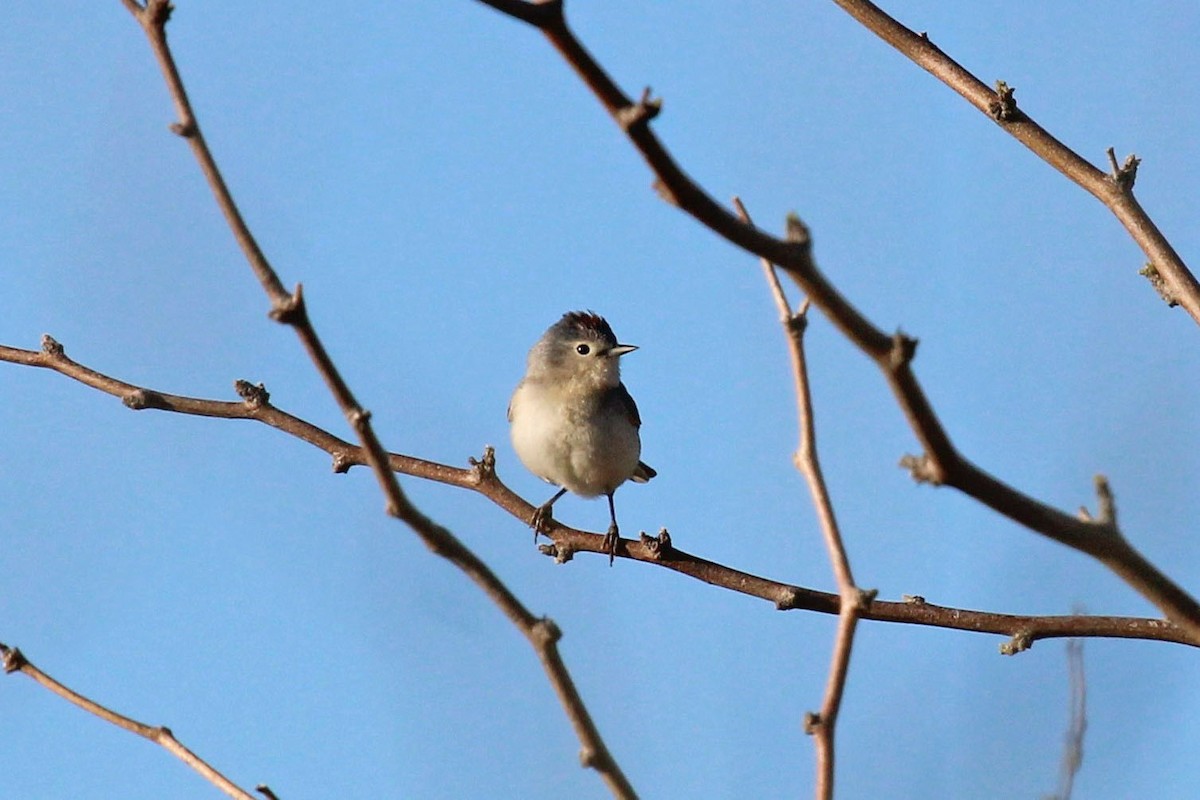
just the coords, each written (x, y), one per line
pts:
(624, 401)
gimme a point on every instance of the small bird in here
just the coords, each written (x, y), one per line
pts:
(573, 423)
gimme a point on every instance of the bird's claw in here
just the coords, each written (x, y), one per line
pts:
(611, 537)
(540, 521)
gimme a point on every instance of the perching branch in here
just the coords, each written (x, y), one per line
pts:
(14, 661)
(289, 309)
(940, 463)
(481, 477)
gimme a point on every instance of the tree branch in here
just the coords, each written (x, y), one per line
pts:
(852, 600)
(14, 661)
(941, 463)
(289, 309)
(481, 477)
(1113, 189)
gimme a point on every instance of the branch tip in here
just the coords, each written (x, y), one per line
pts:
(51, 347)
(1106, 505)
(1019, 643)
(14, 659)
(254, 395)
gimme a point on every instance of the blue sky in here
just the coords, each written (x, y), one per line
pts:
(445, 188)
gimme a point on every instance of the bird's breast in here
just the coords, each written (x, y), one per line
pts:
(572, 440)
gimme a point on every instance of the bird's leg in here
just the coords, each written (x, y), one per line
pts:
(542, 515)
(613, 535)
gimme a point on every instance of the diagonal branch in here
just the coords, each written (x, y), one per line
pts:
(289, 309)
(1114, 189)
(941, 463)
(14, 661)
(481, 478)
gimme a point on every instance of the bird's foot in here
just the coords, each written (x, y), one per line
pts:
(541, 519)
(610, 543)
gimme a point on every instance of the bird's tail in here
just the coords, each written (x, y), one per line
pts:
(643, 473)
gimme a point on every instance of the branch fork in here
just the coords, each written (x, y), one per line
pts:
(657, 547)
(289, 309)
(1123, 176)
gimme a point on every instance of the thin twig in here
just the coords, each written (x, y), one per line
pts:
(1114, 189)
(481, 477)
(14, 661)
(1072, 759)
(822, 725)
(289, 308)
(940, 463)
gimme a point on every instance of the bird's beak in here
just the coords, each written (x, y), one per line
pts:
(622, 349)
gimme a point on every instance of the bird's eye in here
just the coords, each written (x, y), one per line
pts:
(582, 349)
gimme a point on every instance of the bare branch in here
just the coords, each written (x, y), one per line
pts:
(1114, 190)
(852, 600)
(289, 309)
(15, 661)
(940, 463)
(481, 477)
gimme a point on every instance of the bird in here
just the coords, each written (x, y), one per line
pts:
(572, 421)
